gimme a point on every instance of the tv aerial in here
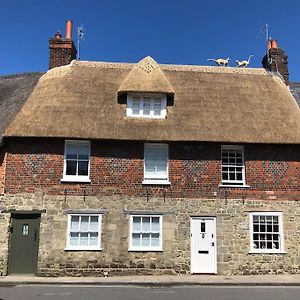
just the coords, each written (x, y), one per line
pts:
(80, 37)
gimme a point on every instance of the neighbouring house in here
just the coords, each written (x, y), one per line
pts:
(146, 168)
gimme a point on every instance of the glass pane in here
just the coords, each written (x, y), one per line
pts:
(239, 176)
(155, 224)
(71, 167)
(255, 219)
(146, 224)
(71, 150)
(83, 149)
(225, 176)
(74, 239)
(232, 176)
(262, 228)
(83, 168)
(146, 239)
(255, 228)
(155, 239)
(93, 238)
(275, 220)
(71, 156)
(136, 225)
(135, 239)
(94, 223)
(83, 156)
(74, 223)
(84, 225)
(84, 239)
(269, 228)
(275, 228)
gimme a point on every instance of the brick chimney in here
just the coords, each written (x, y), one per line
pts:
(62, 50)
(276, 61)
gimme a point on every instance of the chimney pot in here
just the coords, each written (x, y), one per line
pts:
(69, 26)
(57, 35)
(274, 44)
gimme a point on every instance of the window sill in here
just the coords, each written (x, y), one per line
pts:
(267, 252)
(74, 179)
(83, 249)
(243, 186)
(145, 250)
(157, 182)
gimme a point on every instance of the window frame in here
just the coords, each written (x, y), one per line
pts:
(156, 180)
(76, 178)
(280, 232)
(152, 96)
(228, 182)
(84, 248)
(158, 248)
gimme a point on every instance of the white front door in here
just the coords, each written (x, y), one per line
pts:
(203, 245)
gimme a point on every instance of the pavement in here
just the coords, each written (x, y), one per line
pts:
(156, 280)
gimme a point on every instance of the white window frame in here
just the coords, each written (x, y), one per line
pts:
(230, 182)
(84, 248)
(141, 96)
(156, 179)
(76, 178)
(146, 248)
(253, 249)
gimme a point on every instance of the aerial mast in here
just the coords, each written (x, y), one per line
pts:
(80, 34)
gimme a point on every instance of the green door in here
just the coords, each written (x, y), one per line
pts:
(24, 243)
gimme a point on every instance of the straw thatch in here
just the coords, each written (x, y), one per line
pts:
(14, 91)
(295, 89)
(210, 104)
(146, 76)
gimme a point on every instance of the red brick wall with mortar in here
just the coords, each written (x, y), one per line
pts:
(116, 167)
(2, 170)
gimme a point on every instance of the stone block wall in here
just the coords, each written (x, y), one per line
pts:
(116, 168)
(232, 217)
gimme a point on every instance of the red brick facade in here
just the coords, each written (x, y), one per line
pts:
(2, 170)
(116, 167)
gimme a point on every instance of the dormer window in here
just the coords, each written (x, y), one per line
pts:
(146, 105)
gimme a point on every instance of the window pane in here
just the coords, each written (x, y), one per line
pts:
(155, 239)
(83, 168)
(74, 239)
(146, 224)
(94, 223)
(84, 225)
(71, 167)
(74, 223)
(146, 239)
(155, 224)
(93, 239)
(135, 239)
(83, 240)
(136, 225)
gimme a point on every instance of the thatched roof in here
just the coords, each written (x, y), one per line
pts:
(210, 104)
(14, 91)
(146, 76)
(295, 89)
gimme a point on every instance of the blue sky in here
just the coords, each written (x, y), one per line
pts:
(171, 31)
